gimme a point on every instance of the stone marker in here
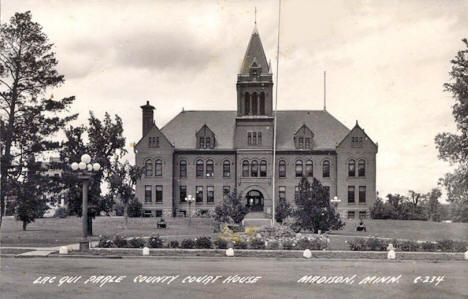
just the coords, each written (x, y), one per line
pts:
(391, 252)
(63, 250)
(466, 255)
(230, 252)
(307, 254)
(146, 251)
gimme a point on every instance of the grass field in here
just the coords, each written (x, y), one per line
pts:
(49, 232)
(60, 231)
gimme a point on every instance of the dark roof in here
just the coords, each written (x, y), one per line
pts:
(328, 131)
(255, 51)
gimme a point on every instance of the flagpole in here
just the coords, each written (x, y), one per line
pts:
(275, 118)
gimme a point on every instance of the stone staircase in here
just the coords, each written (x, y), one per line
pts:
(256, 219)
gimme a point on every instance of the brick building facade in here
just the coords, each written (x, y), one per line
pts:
(208, 153)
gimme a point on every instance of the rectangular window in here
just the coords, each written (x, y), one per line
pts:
(307, 143)
(351, 214)
(226, 191)
(260, 138)
(202, 142)
(159, 213)
(249, 138)
(351, 190)
(210, 194)
(159, 193)
(208, 142)
(199, 194)
(254, 138)
(157, 142)
(296, 191)
(282, 193)
(301, 142)
(183, 193)
(158, 168)
(148, 194)
(362, 194)
(362, 214)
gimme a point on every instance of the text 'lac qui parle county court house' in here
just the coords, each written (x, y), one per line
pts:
(207, 154)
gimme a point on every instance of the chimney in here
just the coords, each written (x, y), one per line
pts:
(148, 117)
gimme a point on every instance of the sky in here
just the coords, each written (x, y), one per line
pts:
(386, 62)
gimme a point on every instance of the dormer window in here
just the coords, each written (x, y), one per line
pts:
(303, 138)
(356, 141)
(205, 138)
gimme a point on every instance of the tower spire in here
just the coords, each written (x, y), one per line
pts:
(255, 16)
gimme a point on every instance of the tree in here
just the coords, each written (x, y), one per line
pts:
(103, 140)
(135, 208)
(122, 182)
(454, 147)
(314, 211)
(283, 210)
(27, 72)
(231, 210)
(383, 210)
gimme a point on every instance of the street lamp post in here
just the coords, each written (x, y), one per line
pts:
(335, 201)
(85, 169)
(190, 199)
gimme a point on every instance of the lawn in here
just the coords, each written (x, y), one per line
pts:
(408, 229)
(49, 232)
(60, 231)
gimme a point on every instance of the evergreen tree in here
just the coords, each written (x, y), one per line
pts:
(314, 211)
(283, 210)
(27, 72)
(232, 209)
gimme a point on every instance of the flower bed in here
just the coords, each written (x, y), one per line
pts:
(376, 244)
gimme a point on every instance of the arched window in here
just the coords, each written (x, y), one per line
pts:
(326, 169)
(245, 168)
(183, 169)
(299, 168)
(247, 103)
(226, 168)
(352, 168)
(282, 169)
(254, 169)
(262, 103)
(148, 168)
(362, 168)
(199, 169)
(309, 169)
(254, 103)
(209, 168)
(263, 168)
(158, 168)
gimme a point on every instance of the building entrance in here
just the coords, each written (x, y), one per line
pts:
(254, 201)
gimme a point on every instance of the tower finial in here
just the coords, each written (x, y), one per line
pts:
(255, 16)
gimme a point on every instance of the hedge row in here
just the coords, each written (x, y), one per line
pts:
(376, 244)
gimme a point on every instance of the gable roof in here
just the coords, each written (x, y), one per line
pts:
(357, 127)
(327, 130)
(255, 53)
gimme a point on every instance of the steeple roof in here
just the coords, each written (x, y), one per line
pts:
(255, 53)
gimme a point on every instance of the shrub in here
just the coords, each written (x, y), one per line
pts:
(257, 244)
(240, 245)
(173, 244)
(445, 245)
(221, 243)
(135, 208)
(318, 244)
(408, 246)
(273, 245)
(155, 241)
(136, 243)
(288, 245)
(429, 246)
(105, 242)
(120, 242)
(357, 244)
(303, 244)
(61, 213)
(203, 242)
(188, 244)
(375, 244)
(460, 246)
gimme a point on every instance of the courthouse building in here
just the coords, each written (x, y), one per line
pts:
(207, 154)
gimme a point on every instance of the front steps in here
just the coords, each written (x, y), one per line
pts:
(256, 219)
